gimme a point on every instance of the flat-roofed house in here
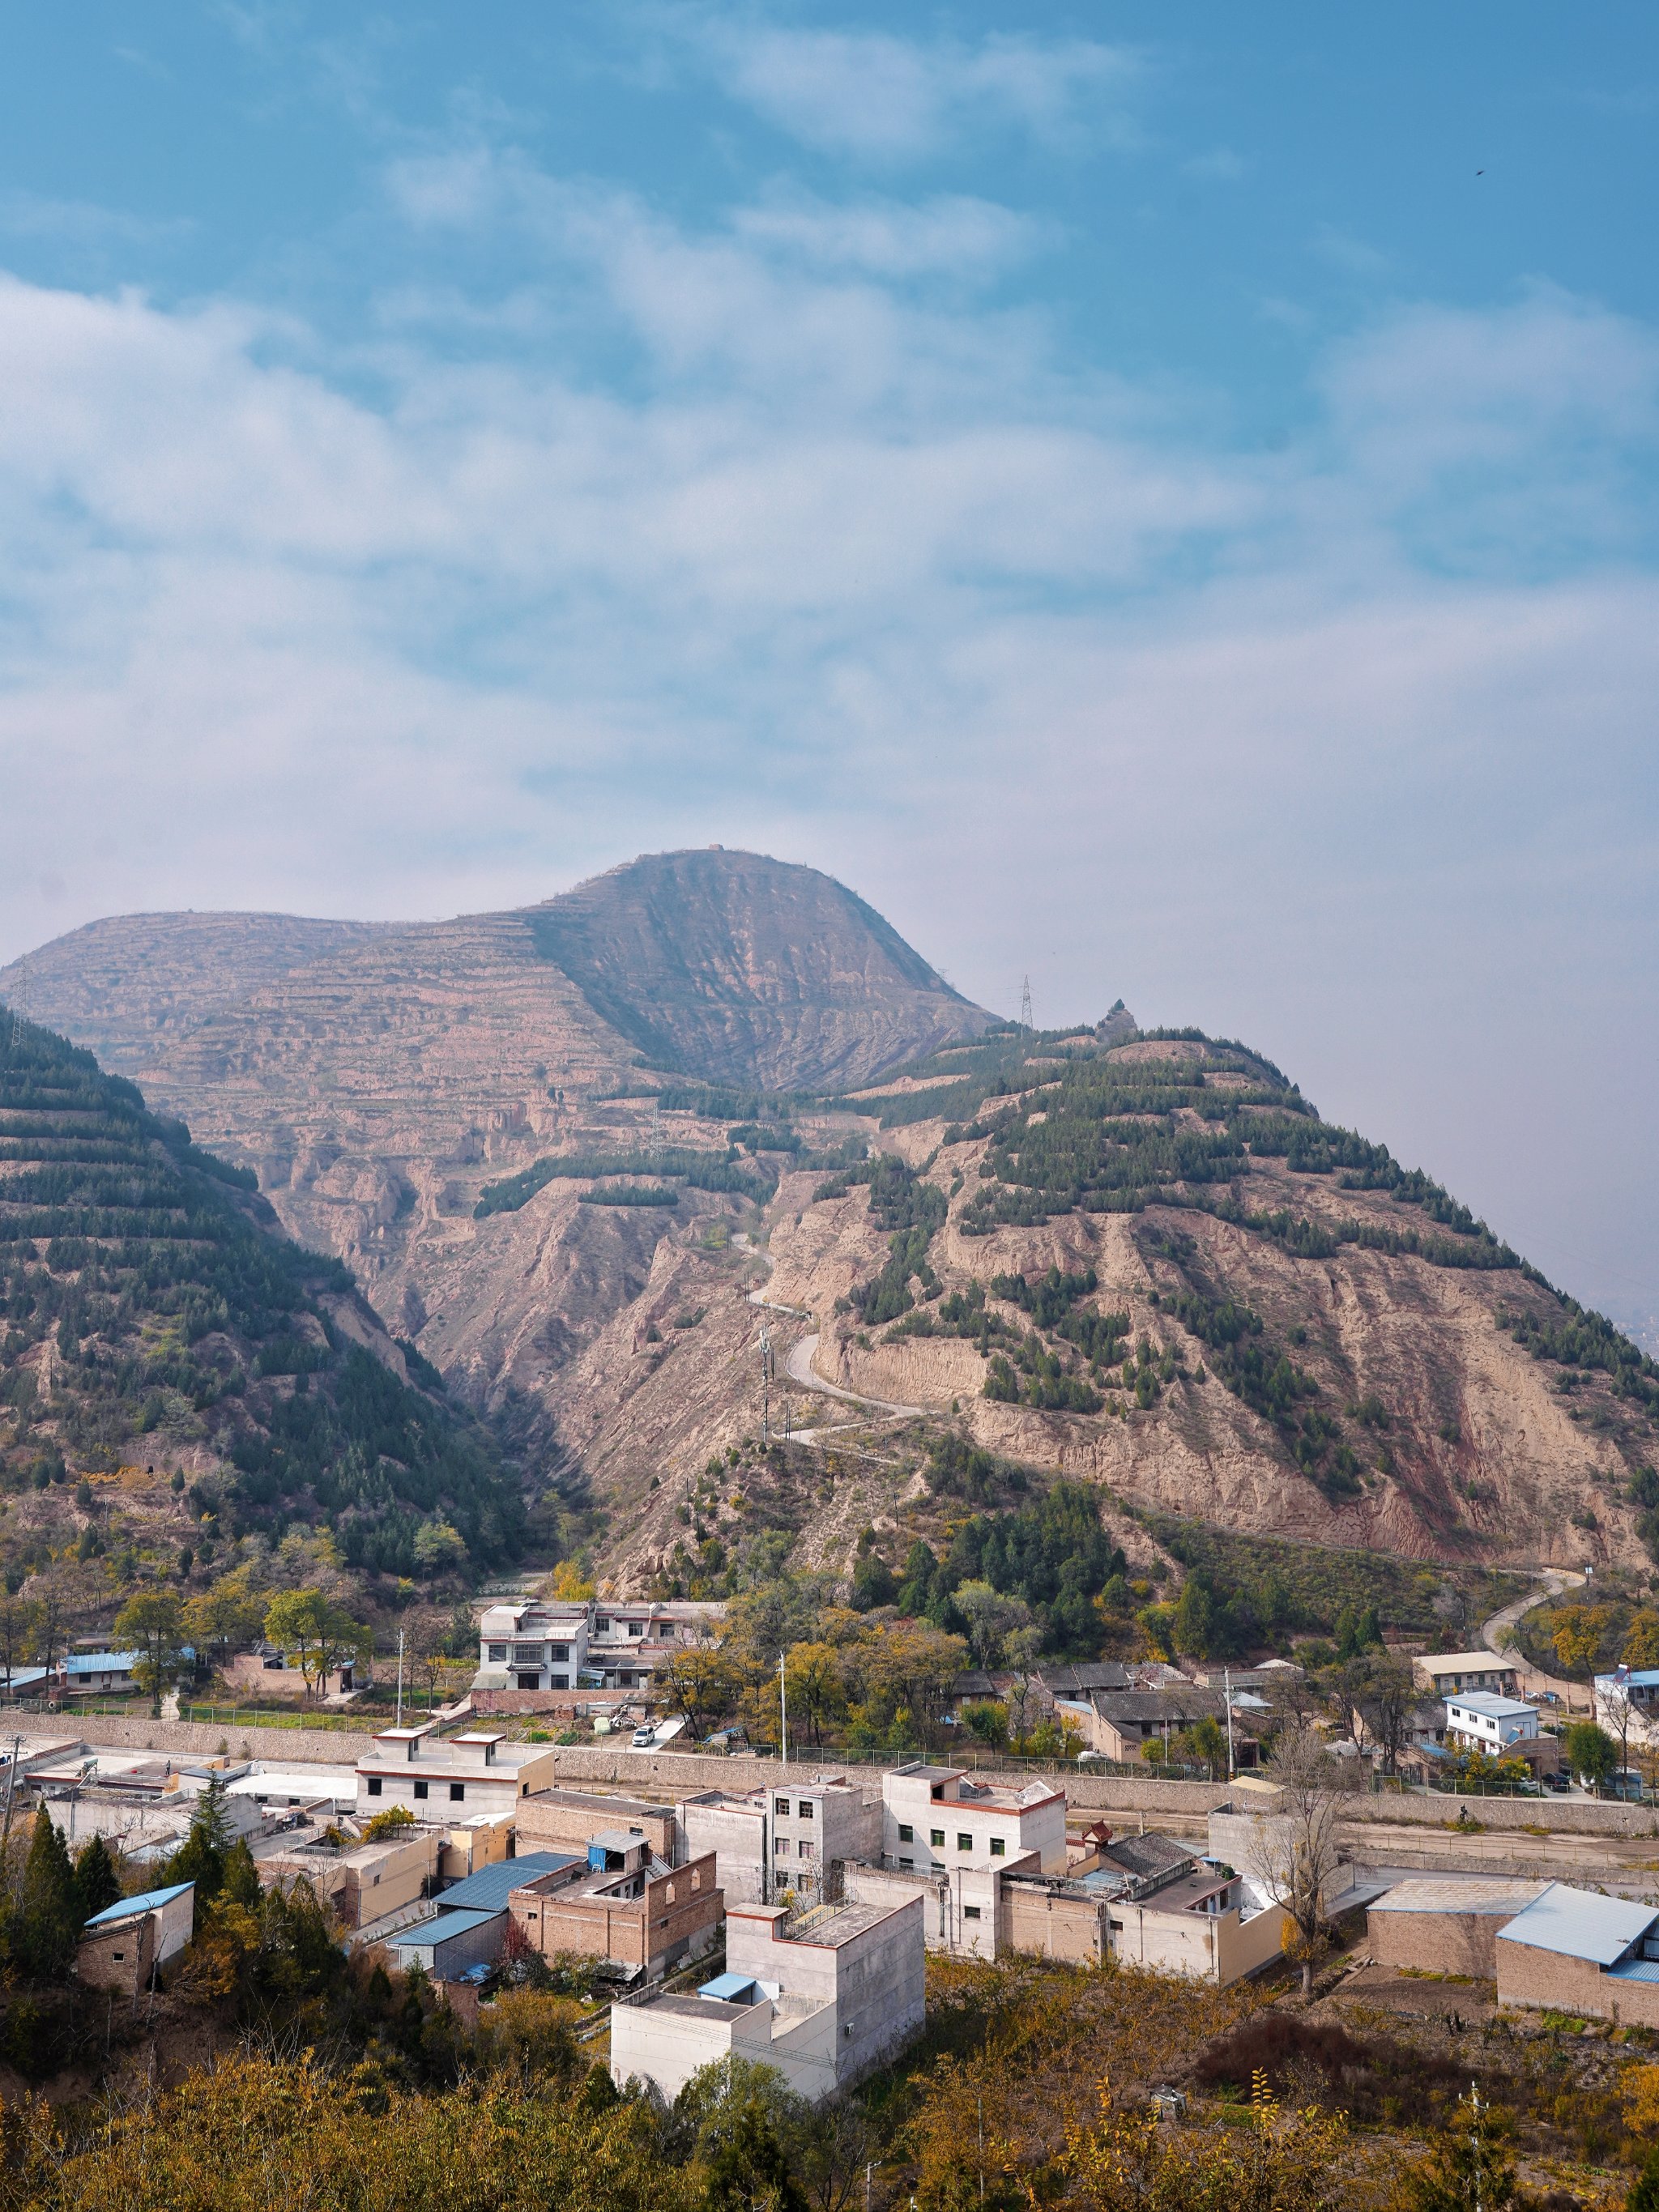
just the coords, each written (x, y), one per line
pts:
(936, 1818)
(1447, 1673)
(431, 1775)
(1446, 1924)
(622, 1904)
(568, 1820)
(792, 1838)
(825, 1996)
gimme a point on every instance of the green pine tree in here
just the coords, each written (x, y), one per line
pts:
(97, 1884)
(201, 1858)
(241, 1881)
(48, 1917)
(750, 2169)
(1644, 2190)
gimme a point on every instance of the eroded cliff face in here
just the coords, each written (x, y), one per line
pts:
(1467, 1449)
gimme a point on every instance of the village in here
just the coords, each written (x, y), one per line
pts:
(777, 1905)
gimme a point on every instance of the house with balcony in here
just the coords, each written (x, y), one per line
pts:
(550, 1647)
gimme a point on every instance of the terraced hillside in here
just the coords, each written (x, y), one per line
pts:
(157, 1326)
(1153, 1265)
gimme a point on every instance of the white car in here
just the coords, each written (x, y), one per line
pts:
(644, 1737)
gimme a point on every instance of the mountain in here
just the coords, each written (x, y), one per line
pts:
(565, 1150)
(160, 1333)
(376, 1080)
(1149, 1264)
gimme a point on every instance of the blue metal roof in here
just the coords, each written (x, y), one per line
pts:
(101, 1662)
(1580, 1924)
(731, 1987)
(490, 1888)
(148, 1900)
(1635, 1970)
(427, 1933)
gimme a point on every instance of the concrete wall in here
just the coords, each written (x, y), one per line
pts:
(1054, 1925)
(1542, 1981)
(667, 2043)
(736, 1834)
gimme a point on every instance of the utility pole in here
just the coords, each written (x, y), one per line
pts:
(1227, 1681)
(400, 1677)
(766, 1386)
(11, 1784)
(783, 1711)
(1025, 1021)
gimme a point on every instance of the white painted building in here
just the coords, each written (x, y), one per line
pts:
(825, 1997)
(940, 1819)
(546, 1644)
(1480, 1720)
(788, 1838)
(433, 1777)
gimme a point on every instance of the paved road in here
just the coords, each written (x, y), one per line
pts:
(799, 1369)
(1555, 1580)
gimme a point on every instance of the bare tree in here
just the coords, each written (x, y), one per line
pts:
(1615, 1711)
(1298, 1857)
(1386, 1696)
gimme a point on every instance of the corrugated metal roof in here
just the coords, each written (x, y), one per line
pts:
(1580, 1924)
(1636, 1969)
(1460, 1894)
(490, 1888)
(425, 1933)
(1488, 1703)
(148, 1900)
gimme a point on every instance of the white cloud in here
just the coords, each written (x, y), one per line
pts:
(878, 97)
(834, 560)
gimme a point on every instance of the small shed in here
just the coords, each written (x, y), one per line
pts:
(121, 1943)
(452, 1943)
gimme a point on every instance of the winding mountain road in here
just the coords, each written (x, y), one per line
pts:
(1532, 1679)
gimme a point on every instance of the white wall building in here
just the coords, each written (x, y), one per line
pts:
(433, 1777)
(1483, 1721)
(939, 1819)
(552, 1644)
(791, 1837)
(825, 1998)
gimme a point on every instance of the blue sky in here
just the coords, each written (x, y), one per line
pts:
(1159, 500)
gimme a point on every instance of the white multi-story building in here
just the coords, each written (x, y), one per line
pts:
(1482, 1720)
(940, 1819)
(550, 1644)
(790, 1838)
(826, 1999)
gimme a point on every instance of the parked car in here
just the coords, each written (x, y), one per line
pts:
(644, 1737)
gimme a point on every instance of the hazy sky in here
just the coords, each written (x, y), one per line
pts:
(1162, 499)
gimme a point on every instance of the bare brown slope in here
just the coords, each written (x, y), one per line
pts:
(1482, 1458)
(127, 987)
(750, 970)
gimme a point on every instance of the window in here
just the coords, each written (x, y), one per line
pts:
(498, 1651)
(780, 1847)
(805, 1810)
(558, 1682)
(457, 1792)
(936, 1837)
(964, 1843)
(637, 1628)
(971, 1912)
(781, 1805)
(999, 1849)
(906, 1866)
(906, 1833)
(374, 1785)
(560, 1655)
(808, 1850)
(696, 1880)
(420, 1788)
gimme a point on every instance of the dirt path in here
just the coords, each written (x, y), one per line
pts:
(1530, 1679)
